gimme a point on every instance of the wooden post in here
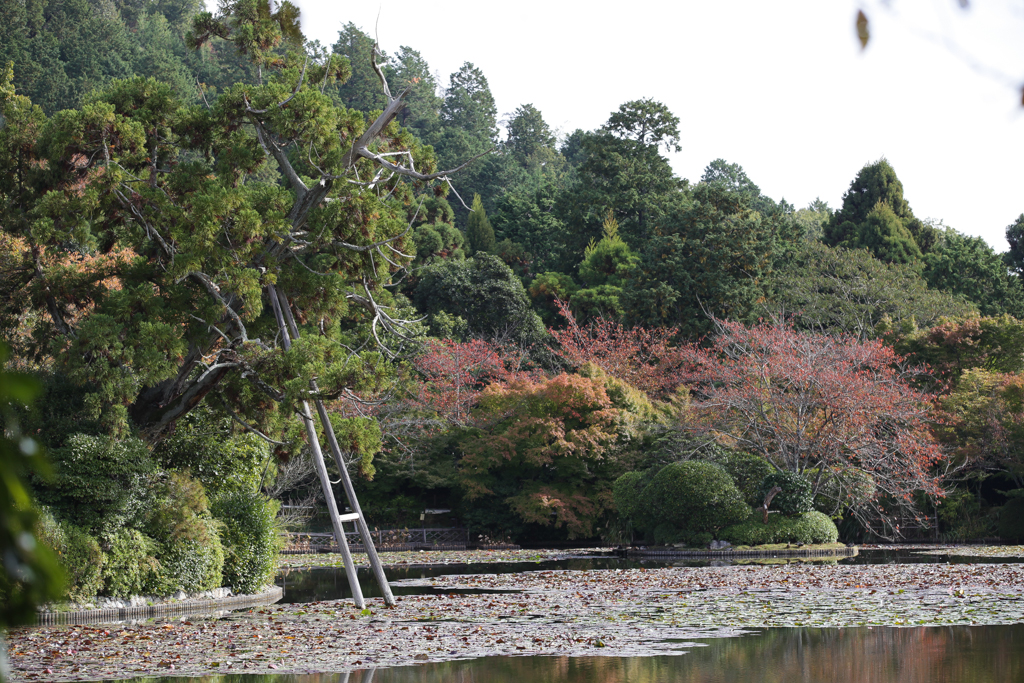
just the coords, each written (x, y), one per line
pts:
(321, 470)
(346, 481)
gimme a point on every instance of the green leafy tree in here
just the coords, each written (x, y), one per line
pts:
(733, 178)
(529, 216)
(548, 288)
(813, 219)
(467, 128)
(623, 170)
(713, 256)
(530, 140)
(1015, 236)
(469, 105)
(647, 122)
(408, 69)
(606, 264)
(983, 423)
(362, 90)
(970, 267)
(485, 293)
(479, 233)
(850, 291)
(884, 235)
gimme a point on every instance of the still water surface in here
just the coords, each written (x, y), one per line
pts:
(975, 654)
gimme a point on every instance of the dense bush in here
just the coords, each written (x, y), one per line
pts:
(795, 496)
(694, 496)
(188, 543)
(79, 555)
(251, 539)
(748, 471)
(1011, 520)
(810, 527)
(204, 445)
(100, 483)
(130, 565)
(189, 565)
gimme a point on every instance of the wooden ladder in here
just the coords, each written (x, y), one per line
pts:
(286, 324)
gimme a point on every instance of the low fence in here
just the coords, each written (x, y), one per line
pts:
(383, 539)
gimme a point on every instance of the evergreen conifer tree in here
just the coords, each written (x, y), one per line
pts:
(479, 232)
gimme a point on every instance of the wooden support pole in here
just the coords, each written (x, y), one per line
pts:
(346, 481)
(321, 470)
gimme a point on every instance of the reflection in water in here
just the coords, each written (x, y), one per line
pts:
(960, 654)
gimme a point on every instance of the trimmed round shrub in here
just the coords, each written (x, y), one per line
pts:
(695, 497)
(816, 527)
(131, 565)
(251, 539)
(1011, 520)
(747, 471)
(810, 527)
(795, 496)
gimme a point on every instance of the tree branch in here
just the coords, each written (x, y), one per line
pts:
(250, 110)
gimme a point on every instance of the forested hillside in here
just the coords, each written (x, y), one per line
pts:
(553, 337)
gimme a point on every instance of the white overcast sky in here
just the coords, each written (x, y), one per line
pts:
(781, 88)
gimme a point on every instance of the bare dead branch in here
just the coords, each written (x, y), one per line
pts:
(380, 74)
(408, 172)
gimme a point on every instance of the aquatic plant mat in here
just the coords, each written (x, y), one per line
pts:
(745, 553)
(1007, 551)
(630, 612)
(437, 557)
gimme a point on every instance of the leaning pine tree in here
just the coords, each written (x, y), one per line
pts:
(234, 253)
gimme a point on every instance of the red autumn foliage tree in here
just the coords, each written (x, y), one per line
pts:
(836, 410)
(643, 358)
(453, 375)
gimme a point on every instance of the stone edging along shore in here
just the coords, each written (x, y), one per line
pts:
(733, 554)
(164, 609)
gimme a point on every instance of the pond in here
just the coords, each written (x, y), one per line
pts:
(330, 583)
(976, 654)
(589, 619)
